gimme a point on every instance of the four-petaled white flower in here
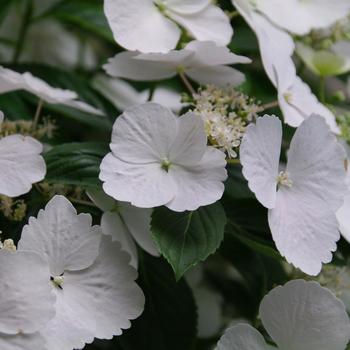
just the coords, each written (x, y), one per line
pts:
(26, 300)
(12, 81)
(298, 316)
(150, 25)
(303, 199)
(203, 62)
(295, 98)
(159, 159)
(96, 293)
(300, 17)
(125, 224)
(21, 163)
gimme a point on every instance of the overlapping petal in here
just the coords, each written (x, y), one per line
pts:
(65, 239)
(21, 164)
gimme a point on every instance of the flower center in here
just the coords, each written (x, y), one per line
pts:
(8, 245)
(58, 281)
(161, 4)
(288, 97)
(165, 165)
(284, 179)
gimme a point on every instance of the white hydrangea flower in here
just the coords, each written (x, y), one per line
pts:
(125, 224)
(298, 316)
(203, 62)
(159, 159)
(21, 163)
(150, 25)
(122, 95)
(26, 300)
(303, 199)
(300, 17)
(82, 265)
(13, 81)
(295, 98)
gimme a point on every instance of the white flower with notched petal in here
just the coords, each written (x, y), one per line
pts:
(303, 199)
(203, 62)
(300, 17)
(125, 224)
(21, 163)
(82, 266)
(159, 159)
(298, 316)
(295, 98)
(26, 300)
(13, 81)
(150, 25)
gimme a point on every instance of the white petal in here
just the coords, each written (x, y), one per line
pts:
(168, 98)
(241, 337)
(124, 222)
(145, 67)
(304, 316)
(259, 156)
(184, 6)
(144, 133)
(143, 185)
(210, 311)
(199, 184)
(304, 229)
(298, 103)
(113, 225)
(65, 239)
(276, 46)
(131, 20)
(121, 94)
(21, 164)
(191, 140)
(96, 302)
(316, 162)
(138, 222)
(208, 53)
(221, 76)
(210, 24)
(299, 17)
(26, 299)
(343, 216)
(12, 81)
(22, 342)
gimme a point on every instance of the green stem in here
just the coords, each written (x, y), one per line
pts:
(23, 31)
(232, 161)
(37, 114)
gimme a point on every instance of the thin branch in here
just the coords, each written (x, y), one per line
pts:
(187, 83)
(37, 113)
(269, 105)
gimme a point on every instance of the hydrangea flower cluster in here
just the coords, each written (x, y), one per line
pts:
(226, 113)
(165, 176)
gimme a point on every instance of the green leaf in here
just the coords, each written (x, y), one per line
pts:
(169, 319)
(75, 163)
(188, 237)
(87, 15)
